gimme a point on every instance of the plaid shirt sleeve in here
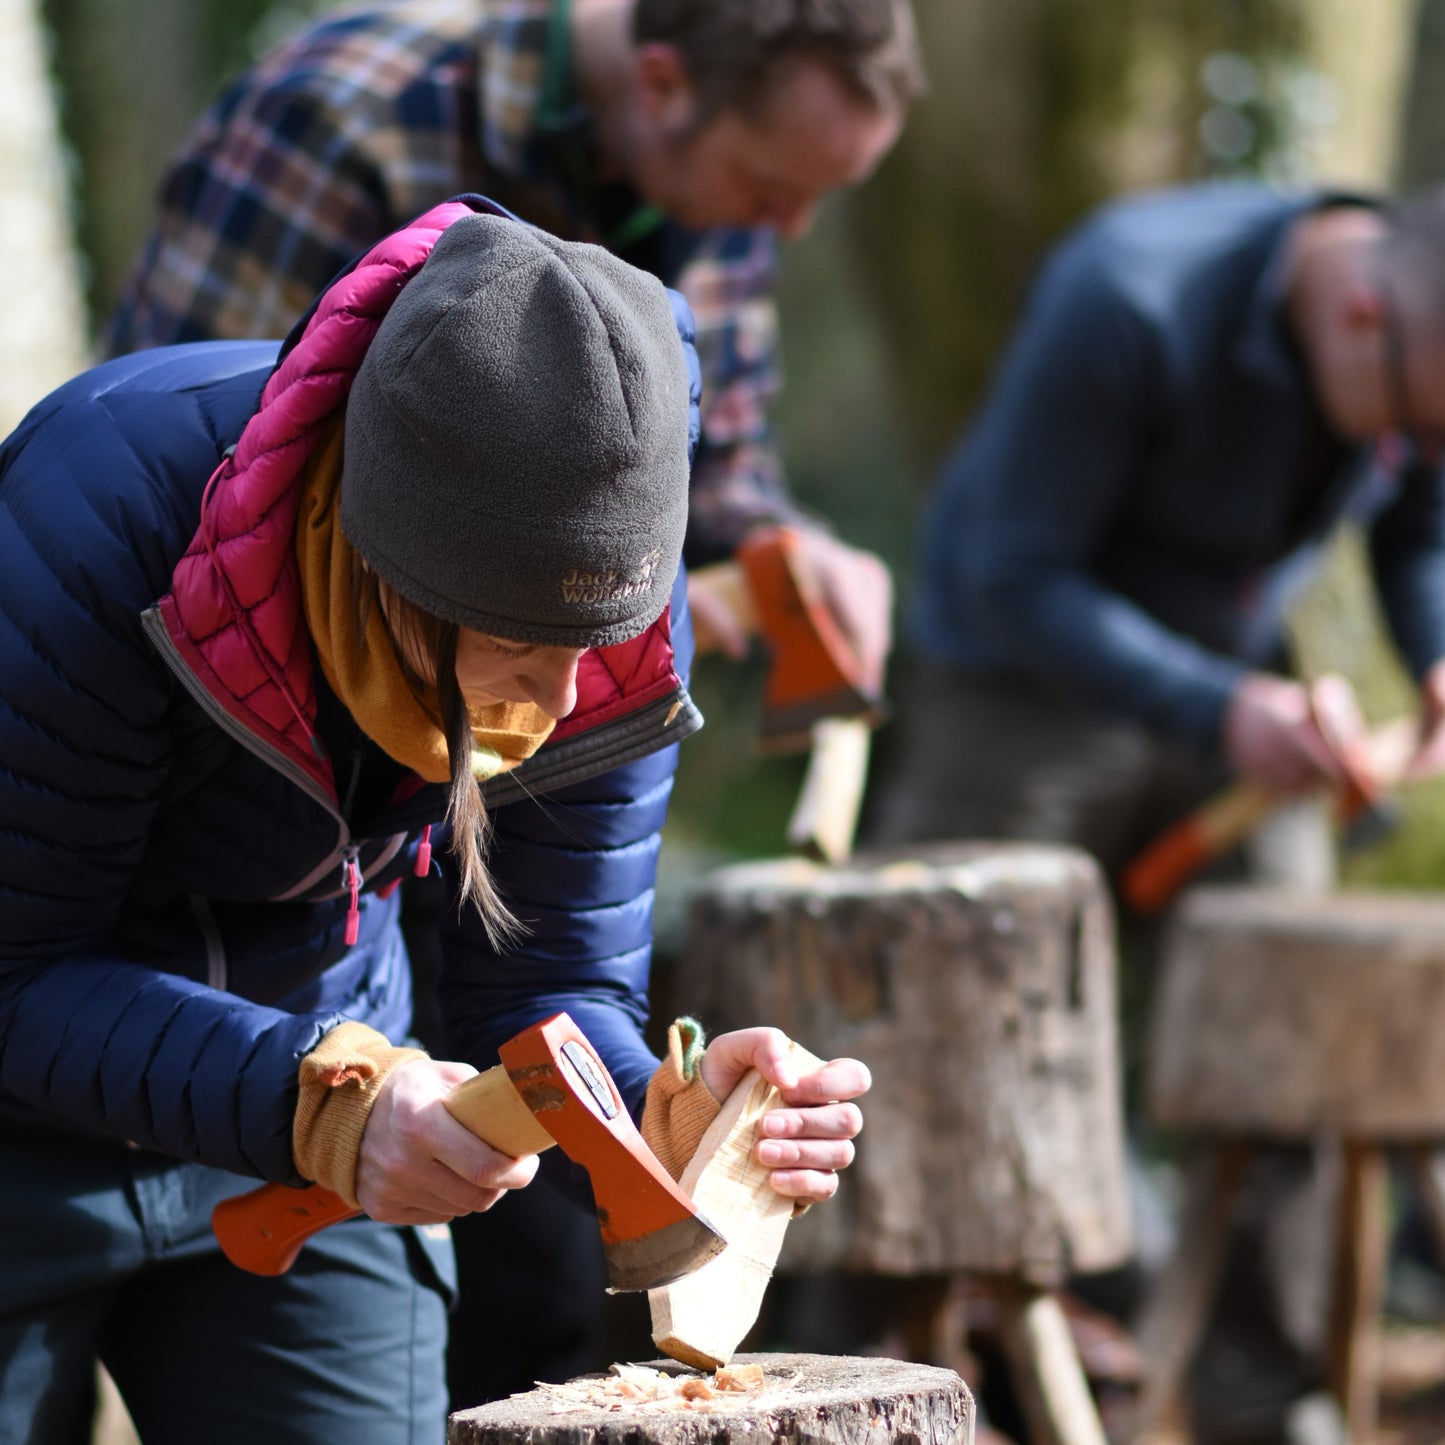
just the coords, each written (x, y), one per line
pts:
(231, 258)
(737, 481)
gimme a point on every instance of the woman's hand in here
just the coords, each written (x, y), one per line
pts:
(806, 1142)
(418, 1165)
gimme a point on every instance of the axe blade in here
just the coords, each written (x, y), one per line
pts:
(814, 672)
(652, 1233)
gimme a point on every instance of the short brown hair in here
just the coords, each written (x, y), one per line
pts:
(736, 50)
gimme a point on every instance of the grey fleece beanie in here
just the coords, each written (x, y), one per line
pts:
(516, 439)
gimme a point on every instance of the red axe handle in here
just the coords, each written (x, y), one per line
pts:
(262, 1231)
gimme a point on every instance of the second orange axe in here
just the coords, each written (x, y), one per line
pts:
(815, 696)
(1153, 876)
(550, 1088)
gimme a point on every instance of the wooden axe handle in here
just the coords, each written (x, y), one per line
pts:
(825, 816)
(1152, 877)
(1372, 762)
(263, 1230)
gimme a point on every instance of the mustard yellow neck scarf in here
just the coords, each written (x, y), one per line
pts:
(366, 674)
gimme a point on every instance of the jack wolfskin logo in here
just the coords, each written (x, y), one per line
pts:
(590, 588)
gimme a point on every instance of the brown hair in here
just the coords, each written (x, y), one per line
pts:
(426, 648)
(735, 51)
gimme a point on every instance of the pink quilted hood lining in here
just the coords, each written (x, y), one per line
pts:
(234, 611)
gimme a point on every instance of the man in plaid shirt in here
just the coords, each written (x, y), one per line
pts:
(684, 135)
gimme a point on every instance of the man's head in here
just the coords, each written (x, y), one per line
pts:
(748, 112)
(1373, 319)
(1412, 287)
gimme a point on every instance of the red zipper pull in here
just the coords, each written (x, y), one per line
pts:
(351, 879)
(423, 853)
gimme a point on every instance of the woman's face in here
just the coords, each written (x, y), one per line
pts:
(491, 669)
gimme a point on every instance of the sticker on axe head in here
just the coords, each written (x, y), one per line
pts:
(587, 1073)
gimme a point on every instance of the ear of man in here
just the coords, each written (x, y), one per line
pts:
(665, 94)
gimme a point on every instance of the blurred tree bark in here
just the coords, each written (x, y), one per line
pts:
(131, 82)
(134, 76)
(1422, 161)
(42, 326)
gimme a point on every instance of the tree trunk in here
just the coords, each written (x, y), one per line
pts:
(808, 1400)
(977, 982)
(42, 330)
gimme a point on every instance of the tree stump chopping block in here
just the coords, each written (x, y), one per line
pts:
(1280, 1014)
(803, 1400)
(977, 981)
(1291, 1016)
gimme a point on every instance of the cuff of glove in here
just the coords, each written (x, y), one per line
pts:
(340, 1080)
(679, 1105)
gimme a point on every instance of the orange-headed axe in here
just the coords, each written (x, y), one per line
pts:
(1367, 762)
(550, 1088)
(815, 695)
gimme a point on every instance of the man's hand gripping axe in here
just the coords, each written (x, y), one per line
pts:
(815, 696)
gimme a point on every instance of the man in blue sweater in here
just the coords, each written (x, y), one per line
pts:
(1206, 385)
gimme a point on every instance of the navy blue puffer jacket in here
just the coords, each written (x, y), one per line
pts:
(172, 908)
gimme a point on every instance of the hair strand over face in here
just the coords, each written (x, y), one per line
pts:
(426, 647)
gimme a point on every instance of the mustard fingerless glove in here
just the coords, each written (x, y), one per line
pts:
(679, 1105)
(340, 1080)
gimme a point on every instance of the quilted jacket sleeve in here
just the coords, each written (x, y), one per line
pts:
(88, 1037)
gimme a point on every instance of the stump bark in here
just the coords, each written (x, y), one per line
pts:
(1280, 1014)
(977, 981)
(1297, 1015)
(807, 1400)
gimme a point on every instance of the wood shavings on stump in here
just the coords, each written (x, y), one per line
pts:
(644, 1389)
(798, 1399)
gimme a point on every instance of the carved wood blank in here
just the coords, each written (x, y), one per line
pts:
(977, 982)
(702, 1318)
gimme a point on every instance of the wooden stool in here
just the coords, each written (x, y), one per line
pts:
(1288, 1016)
(804, 1400)
(977, 981)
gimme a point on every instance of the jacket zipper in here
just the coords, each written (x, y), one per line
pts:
(351, 883)
(345, 848)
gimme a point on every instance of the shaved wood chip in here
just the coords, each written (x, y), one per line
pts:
(738, 1377)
